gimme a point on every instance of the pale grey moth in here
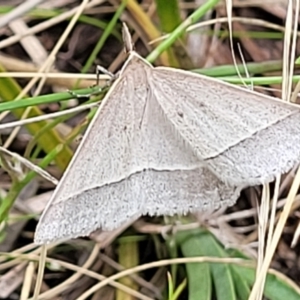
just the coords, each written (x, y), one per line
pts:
(167, 141)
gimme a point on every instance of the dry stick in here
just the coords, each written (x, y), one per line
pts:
(273, 212)
(286, 81)
(11, 280)
(43, 80)
(289, 56)
(229, 14)
(3, 259)
(296, 236)
(262, 221)
(31, 44)
(30, 165)
(29, 275)
(40, 274)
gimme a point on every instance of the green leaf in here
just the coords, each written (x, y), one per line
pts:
(199, 277)
(221, 273)
(277, 286)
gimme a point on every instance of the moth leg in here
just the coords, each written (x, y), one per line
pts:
(100, 69)
(99, 89)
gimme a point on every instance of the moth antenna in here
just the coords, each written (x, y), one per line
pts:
(127, 39)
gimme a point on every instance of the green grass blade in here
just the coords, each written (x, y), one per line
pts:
(251, 68)
(221, 273)
(276, 288)
(179, 31)
(198, 274)
(45, 99)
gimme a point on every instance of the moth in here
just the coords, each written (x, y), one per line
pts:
(166, 141)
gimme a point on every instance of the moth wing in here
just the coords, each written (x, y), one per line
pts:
(88, 196)
(258, 159)
(244, 137)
